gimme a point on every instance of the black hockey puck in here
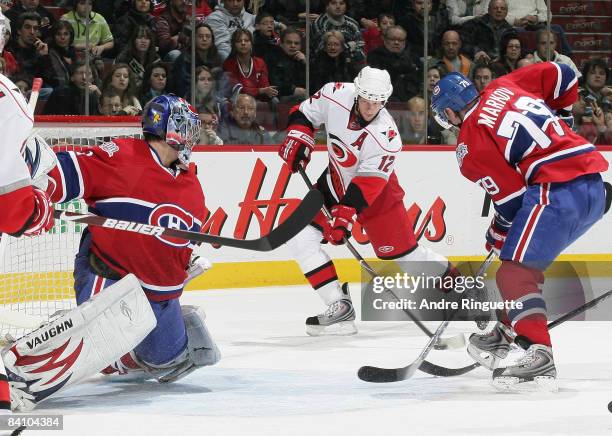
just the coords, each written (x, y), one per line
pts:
(610, 406)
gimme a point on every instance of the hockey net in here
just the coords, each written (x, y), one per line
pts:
(36, 273)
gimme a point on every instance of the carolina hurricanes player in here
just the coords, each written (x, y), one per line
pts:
(545, 184)
(26, 210)
(149, 181)
(359, 184)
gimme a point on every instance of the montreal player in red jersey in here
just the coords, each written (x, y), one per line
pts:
(151, 181)
(547, 190)
(359, 184)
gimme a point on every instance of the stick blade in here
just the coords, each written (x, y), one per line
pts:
(300, 218)
(374, 374)
(451, 342)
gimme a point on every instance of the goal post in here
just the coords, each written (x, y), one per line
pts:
(36, 272)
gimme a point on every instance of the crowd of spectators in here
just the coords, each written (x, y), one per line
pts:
(251, 61)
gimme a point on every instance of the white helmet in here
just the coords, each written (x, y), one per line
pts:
(374, 84)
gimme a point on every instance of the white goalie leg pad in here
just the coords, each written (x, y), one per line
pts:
(201, 348)
(78, 344)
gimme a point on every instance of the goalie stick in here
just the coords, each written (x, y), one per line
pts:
(36, 85)
(374, 374)
(442, 343)
(300, 218)
(440, 371)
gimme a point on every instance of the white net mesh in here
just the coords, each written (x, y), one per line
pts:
(36, 273)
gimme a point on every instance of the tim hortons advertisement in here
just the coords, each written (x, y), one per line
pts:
(247, 192)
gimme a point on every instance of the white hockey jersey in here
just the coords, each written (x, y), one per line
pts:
(353, 151)
(16, 121)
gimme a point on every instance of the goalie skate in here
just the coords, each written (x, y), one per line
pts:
(338, 319)
(490, 348)
(534, 372)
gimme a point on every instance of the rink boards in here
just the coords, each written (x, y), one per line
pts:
(247, 190)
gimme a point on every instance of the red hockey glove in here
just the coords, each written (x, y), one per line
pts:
(343, 219)
(297, 147)
(496, 234)
(43, 215)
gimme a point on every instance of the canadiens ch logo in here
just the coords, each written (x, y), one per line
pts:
(342, 154)
(461, 152)
(173, 217)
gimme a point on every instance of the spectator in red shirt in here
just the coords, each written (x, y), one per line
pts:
(247, 72)
(373, 33)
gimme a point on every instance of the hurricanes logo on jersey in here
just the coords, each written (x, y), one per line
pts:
(391, 133)
(173, 217)
(342, 154)
(461, 152)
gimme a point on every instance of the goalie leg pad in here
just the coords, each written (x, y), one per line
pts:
(201, 348)
(77, 344)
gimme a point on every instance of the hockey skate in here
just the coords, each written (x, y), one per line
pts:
(490, 348)
(534, 372)
(338, 319)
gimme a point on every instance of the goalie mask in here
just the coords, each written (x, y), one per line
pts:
(175, 121)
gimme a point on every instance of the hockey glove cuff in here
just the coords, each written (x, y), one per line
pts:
(497, 233)
(42, 220)
(297, 147)
(343, 218)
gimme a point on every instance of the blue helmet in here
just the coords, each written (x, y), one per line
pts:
(454, 91)
(175, 121)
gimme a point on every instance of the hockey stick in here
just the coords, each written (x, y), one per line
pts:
(440, 371)
(300, 218)
(36, 85)
(374, 374)
(443, 343)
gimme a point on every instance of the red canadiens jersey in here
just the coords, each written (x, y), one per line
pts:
(366, 153)
(125, 179)
(512, 137)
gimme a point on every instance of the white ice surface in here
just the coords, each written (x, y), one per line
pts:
(275, 380)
